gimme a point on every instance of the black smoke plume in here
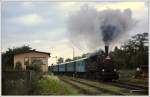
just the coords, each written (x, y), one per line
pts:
(90, 28)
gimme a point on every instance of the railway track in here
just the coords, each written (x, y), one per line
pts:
(102, 89)
(131, 87)
(123, 88)
(80, 90)
(83, 89)
(98, 89)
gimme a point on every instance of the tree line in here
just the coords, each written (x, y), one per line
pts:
(133, 53)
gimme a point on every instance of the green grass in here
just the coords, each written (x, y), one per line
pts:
(128, 77)
(51, 85)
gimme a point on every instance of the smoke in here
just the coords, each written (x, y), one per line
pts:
(89, 28)
(114, 23)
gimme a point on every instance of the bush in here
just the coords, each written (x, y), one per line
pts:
(51, 85)
(18, 66)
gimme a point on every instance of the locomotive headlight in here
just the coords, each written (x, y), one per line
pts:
(103, 70)
(137, 69)
(115, 70)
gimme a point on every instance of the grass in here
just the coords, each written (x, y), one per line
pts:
(128, 77)
(105, 86)
(109, 87)
(51, 85)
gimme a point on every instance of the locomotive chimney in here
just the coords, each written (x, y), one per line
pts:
(106, 50)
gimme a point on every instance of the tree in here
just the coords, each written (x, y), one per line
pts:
(68, 60)
(84, 55)
(142, 48)
(133, 53)
(8, 56)
(77, 57)
(60, 60)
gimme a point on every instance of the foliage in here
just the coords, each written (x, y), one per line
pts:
(51, 85)
(8, 56)
(84, 55)
(68, 60)
(77, 57)
(35, 65)
(18, 66)
(133, 53)
(60, 60)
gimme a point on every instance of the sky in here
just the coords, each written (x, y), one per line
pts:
(43, 25)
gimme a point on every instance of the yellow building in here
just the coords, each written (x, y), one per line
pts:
(25, 58)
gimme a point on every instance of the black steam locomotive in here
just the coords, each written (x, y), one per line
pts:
(97, 66)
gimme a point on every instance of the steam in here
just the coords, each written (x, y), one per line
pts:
(91, 28)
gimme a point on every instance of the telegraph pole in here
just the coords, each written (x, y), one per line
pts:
(73, 52)
(74, 63)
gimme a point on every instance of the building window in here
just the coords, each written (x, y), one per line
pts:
(26, 61)
(42, 59)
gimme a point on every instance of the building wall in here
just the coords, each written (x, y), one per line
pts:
(21, 58)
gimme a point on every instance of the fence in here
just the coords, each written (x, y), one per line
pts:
(16, 82)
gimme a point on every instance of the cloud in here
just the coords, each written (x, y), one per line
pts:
(37, 41)
(30, 19)
(119, 5)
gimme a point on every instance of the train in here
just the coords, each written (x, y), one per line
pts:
(97, 66)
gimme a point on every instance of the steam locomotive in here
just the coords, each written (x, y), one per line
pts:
(97, 66)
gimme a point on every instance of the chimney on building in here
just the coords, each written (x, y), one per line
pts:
(106, 50)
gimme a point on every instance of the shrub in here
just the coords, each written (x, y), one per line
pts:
(51, 85)
(35, 65)
(18, 66)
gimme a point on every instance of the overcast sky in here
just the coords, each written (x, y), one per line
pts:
(42, 25)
